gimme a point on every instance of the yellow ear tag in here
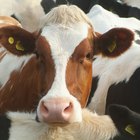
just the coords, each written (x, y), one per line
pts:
(19, 46)
(11, 40)
(112, 47)
(130, 130)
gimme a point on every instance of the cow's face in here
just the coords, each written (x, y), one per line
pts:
(63, 64)
(63, 61)
(70, 66)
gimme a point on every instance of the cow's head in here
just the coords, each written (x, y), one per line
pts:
(63, 55)
(126, 121)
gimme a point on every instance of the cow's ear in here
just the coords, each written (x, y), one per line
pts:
(127, 121)
(17, 40)
(114, 42)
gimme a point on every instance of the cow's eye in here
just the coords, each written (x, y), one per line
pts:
(88, 56)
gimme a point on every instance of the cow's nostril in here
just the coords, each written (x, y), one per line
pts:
(44, 108)
(68, 108)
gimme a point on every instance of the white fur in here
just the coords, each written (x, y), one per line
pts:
(92, 127)
(29, 13)
(65, 15)
(6, 7)
(112, 71)
(2, 50)
(65, 39)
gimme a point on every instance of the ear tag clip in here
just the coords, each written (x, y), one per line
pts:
(112, 47)
(130, 130)
(11, 40)
(19, 46)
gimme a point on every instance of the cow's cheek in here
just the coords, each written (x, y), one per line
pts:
(71, 79)
(78, 80)
(84, 80)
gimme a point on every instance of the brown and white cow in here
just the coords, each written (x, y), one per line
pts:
(56, 63)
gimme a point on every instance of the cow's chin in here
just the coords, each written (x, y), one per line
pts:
(58, 124)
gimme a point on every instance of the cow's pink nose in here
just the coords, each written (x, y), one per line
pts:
(56, 111)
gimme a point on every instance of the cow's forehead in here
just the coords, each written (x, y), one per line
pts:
(65, 39)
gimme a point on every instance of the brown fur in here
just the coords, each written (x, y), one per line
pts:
(18, 34)
(79, 75)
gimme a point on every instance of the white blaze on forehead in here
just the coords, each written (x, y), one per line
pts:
(63, 41)
(10, 63)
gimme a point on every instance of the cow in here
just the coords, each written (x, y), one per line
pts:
(126, 121)
(116, 80)
(122, 124)
(55, 64)
(123, 8)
